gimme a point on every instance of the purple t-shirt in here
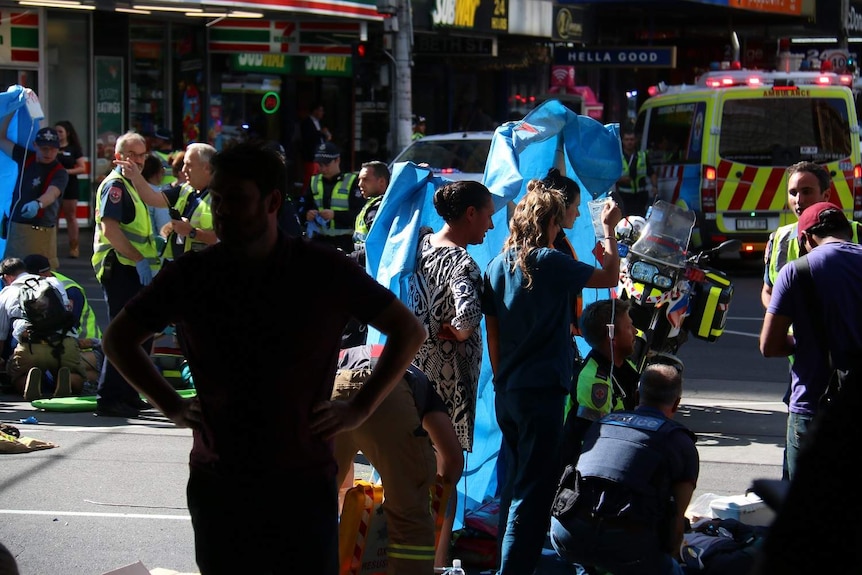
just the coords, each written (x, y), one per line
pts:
(262, 348)
(837, 272)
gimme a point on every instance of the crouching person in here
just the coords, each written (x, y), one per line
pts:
(41, 320)
(394, 442)
(86, 325)
(621, 508)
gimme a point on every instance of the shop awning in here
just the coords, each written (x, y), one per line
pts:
(788, 7)
(359, 9)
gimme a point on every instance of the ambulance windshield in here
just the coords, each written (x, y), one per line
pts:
(784, 130)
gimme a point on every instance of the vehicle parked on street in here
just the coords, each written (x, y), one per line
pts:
(455, 156)
(722, 147)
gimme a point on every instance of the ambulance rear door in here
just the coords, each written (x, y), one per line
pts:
(762, 131)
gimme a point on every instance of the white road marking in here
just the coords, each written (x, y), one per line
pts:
(92, 514)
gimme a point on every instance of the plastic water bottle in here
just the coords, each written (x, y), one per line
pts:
(456, 568)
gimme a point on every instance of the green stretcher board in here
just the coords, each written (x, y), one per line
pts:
(83, 402)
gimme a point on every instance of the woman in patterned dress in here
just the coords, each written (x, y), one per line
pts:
(445, 294)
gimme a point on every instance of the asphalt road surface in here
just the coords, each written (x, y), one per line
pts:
(113, 492)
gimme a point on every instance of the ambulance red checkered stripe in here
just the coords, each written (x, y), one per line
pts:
(742, 189)
(767, 194)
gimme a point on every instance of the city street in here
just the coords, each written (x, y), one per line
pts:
(113, 492)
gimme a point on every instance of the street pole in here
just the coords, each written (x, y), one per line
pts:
(843, 32)
(403, 97)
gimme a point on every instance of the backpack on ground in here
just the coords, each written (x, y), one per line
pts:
(43, 308)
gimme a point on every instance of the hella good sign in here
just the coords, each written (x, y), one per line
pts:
(618, 57)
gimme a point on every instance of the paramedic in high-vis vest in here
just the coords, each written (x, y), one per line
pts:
(332, 201)
(191, 226)
(125, 256)
(638, 185)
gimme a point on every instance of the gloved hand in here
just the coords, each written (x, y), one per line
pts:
(145, 274)
(30, 210)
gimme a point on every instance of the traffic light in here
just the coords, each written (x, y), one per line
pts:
(359, 59)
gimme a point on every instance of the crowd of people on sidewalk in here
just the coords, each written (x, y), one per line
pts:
(590, 451)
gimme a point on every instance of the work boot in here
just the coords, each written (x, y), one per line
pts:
(33, 387)
(73, 249)
(64, 384)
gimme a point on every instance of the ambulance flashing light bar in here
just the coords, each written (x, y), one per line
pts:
(757, 79)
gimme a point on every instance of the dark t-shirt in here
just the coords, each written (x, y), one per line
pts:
(262, 348)
(68, 158)
(35, 180)
(535, 333)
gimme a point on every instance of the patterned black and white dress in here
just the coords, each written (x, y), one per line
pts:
(447, 288)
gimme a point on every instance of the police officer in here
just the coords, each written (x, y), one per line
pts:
(622, 507)
(191, 218)
(639, 182)
(125, 256)
(373, 181)
(160, 142)
(418, 128)
(332, 201)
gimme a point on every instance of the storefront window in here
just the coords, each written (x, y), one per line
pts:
(188, 86)
(248, 107)
(148, 77)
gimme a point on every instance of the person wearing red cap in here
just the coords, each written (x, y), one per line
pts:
(836, 269)
(807, 184)
(817, 518)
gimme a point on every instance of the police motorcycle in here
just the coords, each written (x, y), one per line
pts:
(672, 293)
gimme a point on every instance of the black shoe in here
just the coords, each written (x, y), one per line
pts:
(116, 408)
(141, 404)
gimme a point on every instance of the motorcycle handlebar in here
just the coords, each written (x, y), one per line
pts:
(725, 246)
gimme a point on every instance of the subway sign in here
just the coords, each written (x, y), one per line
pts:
(617, 57)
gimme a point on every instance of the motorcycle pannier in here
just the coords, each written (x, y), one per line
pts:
(710, 301)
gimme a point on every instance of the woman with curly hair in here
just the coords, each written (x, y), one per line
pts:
(527, 304)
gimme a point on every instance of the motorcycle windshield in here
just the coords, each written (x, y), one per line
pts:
(666, 235)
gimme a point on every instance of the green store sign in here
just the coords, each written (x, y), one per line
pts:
(315, 65)
(328, 65)
(256, 62)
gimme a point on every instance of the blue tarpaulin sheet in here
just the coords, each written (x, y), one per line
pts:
(549, 135)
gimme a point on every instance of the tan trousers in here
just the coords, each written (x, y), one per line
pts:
(394, 442)
(25, 239)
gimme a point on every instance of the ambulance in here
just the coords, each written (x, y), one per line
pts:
(721, 147)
